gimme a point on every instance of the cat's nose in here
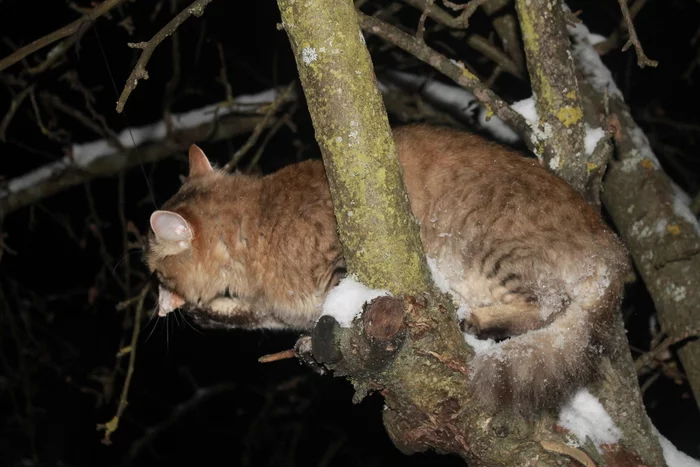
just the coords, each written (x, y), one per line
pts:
(168, 301)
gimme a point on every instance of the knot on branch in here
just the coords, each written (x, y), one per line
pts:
(369, 345)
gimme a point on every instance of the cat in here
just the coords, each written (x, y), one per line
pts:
(528, 260)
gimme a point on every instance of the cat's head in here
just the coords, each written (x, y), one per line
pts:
(184, 249)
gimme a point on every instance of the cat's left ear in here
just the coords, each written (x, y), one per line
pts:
(171, 227)
(199, 164)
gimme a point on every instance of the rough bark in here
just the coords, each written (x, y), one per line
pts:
(661, 234)
(560, 109)
(380, 237)
(558, 102)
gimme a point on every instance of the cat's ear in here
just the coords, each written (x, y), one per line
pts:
(199, 164)
(171, 227)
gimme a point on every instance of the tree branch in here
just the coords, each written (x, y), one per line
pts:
(661, 233)
(381, 244)
(151, 143)
(556, 95)
(461, 76)
(642, 59)
(59, 34)
(139, 72)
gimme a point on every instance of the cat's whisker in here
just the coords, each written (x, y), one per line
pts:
(124, 256)
(183, 315)
(177, 320)
(153, 328)
(167, 333)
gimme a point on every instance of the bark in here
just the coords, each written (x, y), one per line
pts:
(408, 347)
(662, 235)
(557, 99)
(380, 237)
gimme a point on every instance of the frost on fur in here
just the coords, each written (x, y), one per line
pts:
(344, 301)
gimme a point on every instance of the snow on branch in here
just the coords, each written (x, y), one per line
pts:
(134, 146)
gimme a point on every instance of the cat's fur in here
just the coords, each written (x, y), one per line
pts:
(520, 249)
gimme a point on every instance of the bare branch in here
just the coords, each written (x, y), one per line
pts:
(264, 123)
(59, 34)
(100, 159)
(438, 14)
(642, 59)
(139, 72)
(112, 425)
(451, 69)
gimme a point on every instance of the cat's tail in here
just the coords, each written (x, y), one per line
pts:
(542, 368)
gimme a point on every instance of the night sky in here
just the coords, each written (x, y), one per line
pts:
(201, 397)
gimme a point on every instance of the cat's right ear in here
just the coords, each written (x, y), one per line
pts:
(199, 164)
(171, 227)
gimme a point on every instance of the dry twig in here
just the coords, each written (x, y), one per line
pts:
(112, 425)
(65, 31)
(493, 103)
(282, 97)
(139, 72)
(642, 59)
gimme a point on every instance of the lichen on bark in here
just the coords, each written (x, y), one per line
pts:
(553, 78)
(380, 237)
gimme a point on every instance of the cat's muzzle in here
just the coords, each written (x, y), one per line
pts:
(168, 301)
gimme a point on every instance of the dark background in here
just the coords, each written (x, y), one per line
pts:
(202, 398)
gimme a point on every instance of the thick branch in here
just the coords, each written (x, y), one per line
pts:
(555, 90)
(380, 237)
(661, 233)
(139, 72)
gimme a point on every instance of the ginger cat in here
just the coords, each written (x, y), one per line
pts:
(522, 252)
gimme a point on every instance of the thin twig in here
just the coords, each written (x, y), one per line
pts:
(653, 354)
(440, 15)
(59, 34)
(420, 30)
(282, 97)
(139, 72)
(14, 105)
(112, 425)
(613, 41)
(274, 357)
(493, 103)
(569, 451)
(642, 59)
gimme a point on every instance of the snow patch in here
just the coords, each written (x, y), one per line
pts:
(455, 98)
(344, 301)
(527, 109)
(672, 456)
(681, 209)
(82, 155)
(438, 277)
(593, 135)
(585, 417)
(589, 61)
(481, 346)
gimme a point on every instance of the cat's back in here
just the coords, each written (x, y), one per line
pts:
(464, 186)
(460, 169)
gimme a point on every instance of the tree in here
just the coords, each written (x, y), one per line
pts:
(597, 102)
